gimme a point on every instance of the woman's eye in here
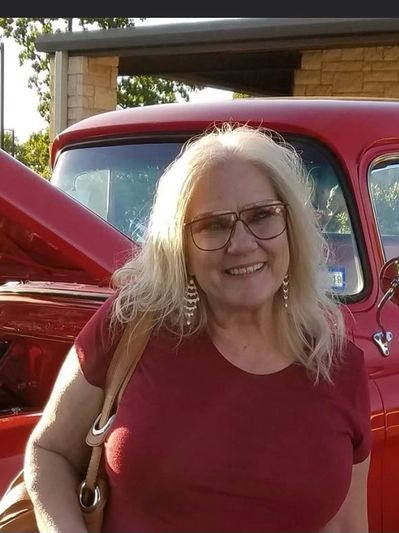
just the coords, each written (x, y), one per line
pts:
(261, 214)
(211, 225)
(216, 225)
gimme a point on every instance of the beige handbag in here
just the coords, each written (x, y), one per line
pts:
(16, 508)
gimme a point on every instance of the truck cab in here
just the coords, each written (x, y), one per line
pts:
(107, 167)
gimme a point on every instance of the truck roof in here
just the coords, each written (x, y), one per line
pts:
(331, 120)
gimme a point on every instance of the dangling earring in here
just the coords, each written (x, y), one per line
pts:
(191, 299)
(286, 282)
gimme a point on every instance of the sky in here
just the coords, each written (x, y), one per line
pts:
(21, 102)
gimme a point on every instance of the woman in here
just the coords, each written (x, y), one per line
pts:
(248, 410)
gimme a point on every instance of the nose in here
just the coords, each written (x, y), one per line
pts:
(242, 240)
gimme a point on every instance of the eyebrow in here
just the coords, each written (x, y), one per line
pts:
(267, 201)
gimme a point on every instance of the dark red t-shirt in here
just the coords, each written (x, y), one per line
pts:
(199, 445)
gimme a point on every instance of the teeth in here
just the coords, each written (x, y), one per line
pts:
(245, 270)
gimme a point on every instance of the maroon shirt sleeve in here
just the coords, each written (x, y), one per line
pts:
(96, 343)
(358, 394)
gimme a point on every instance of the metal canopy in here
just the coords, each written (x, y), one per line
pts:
(256, 56)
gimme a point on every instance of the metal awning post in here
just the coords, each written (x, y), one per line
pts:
(60, 92)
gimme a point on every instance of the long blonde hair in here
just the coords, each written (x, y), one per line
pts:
(155, 279)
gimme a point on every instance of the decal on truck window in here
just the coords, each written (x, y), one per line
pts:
(337, 278)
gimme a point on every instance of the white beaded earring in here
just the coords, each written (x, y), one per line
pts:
(191, 299)
(286, 282)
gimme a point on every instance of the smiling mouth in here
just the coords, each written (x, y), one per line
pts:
(243, 271)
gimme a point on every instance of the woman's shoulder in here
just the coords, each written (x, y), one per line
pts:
(353, 386)
(96, 342)
(350, 370)
(352, 359)
(98, 327)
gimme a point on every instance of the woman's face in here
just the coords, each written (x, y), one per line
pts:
(246, 274)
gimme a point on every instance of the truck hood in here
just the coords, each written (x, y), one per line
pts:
(46, 235)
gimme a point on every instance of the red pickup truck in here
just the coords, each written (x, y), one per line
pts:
(60, 241)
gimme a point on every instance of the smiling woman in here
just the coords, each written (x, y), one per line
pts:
(246, 251)
(245, 344)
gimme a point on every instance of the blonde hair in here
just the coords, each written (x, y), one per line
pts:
(155, 279)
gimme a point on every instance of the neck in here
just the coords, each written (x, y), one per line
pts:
(241, 324)
(248, 340)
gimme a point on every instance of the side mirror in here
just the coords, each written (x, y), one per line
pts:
(389, 280)
(389, 283)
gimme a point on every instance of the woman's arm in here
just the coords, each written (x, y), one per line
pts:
(352, 516)
(56, 454)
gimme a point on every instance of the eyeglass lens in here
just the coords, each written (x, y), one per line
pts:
(214, 232)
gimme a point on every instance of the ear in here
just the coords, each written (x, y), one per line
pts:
(187, 261)
(187, 265)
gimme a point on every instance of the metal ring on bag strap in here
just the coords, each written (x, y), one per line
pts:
(100, 431)
(96, 494)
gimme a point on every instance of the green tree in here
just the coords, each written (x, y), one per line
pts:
(132, 92)
(141, 90)
(238, 95)
(34, 153)
(386, 201)
(10, 143)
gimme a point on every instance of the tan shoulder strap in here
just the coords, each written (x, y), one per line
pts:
(124, 361)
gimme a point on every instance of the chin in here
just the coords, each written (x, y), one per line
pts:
(249, 304)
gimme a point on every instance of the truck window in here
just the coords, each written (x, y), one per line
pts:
(331, 205)
(384, 193)
(118, 182)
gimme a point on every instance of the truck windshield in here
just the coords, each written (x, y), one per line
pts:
(118, 183)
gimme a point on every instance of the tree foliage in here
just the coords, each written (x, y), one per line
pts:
(238, 95)
(34, 153)
(132, 92)
(385, 197)
(10, 145)
(141, 90)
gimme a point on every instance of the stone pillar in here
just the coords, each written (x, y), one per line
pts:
(91, 88)
(365, 72)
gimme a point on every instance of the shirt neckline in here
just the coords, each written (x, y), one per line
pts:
(239, 370)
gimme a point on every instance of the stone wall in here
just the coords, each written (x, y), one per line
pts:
(91, 88)
(364, 72)
(92, 83)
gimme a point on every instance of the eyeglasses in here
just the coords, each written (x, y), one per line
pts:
(266, 220)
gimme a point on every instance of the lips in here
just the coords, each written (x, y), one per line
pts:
(245, 270)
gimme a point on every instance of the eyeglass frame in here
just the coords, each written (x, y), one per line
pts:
(263, 203)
